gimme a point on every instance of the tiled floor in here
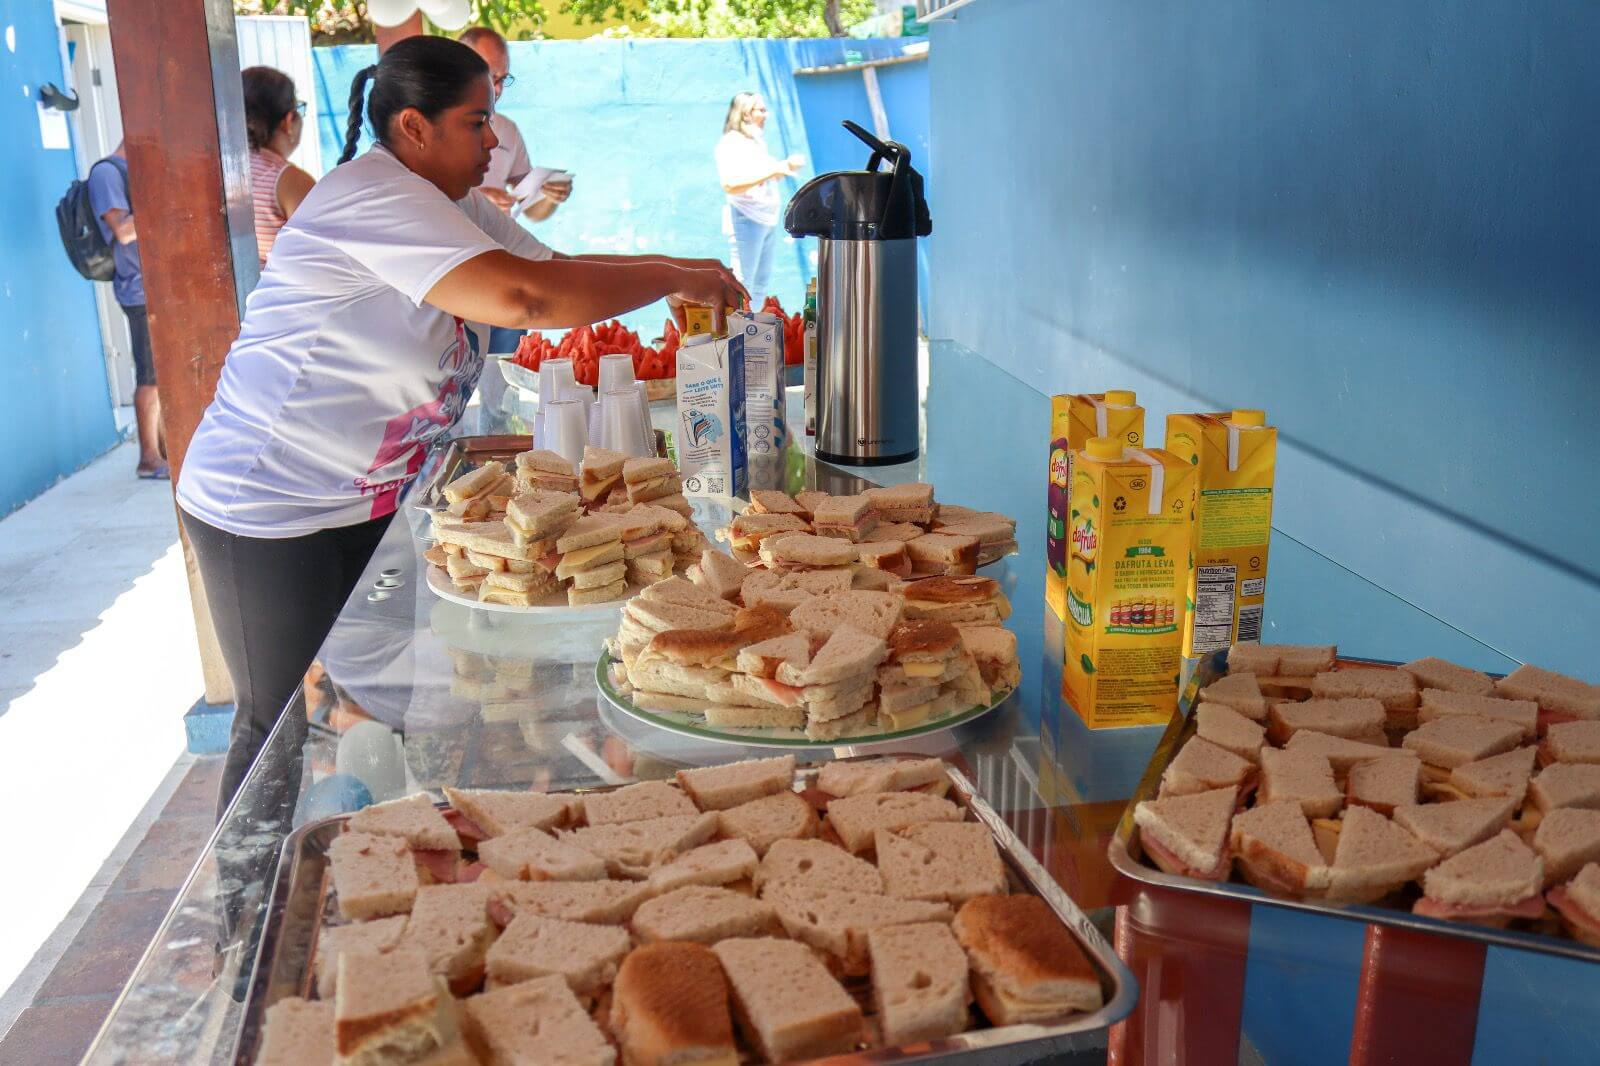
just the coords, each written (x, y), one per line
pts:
(76, 996)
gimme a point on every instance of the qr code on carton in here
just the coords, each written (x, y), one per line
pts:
(715, 485)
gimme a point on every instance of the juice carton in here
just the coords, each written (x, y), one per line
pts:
(1234, 454)
(711, 416)
(699, 319)
(1128, 530)
(765, 427)
(1074, 420)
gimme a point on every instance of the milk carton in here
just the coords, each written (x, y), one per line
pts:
(1128, 534)
(765, 427)
(1235, 455)
(711, 416)
(1074, 420)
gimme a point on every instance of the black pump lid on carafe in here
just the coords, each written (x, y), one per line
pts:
(863, 205)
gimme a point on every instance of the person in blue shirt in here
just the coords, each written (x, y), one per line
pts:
(108, 196)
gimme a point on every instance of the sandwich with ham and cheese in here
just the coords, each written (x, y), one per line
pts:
(1188, 834)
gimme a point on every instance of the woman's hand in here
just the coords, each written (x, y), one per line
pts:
(794, 163)
(711, 285)
(501, 198)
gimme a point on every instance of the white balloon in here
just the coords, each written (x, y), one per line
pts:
(371, 752)
(449, 15)
(390, 12)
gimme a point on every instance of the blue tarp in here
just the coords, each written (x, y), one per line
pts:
(637, 122)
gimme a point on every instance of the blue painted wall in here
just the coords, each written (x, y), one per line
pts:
(637, 121)
(1379, 222)
(52, 370)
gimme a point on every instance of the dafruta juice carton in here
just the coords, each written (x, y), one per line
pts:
(1235, 455)
(1074, 420)
(1128, 531)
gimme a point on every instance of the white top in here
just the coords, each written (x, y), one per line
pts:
(342, 376)
(739, 157)
(508, 161)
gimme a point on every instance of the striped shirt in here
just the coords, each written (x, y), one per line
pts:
(266, 166)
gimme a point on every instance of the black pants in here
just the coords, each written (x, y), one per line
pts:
(273, 603)
(144, 360)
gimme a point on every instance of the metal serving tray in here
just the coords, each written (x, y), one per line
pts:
(461, 455)
(302, 897)
(1127, 854)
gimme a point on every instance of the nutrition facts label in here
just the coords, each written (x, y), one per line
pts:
(1213, 607)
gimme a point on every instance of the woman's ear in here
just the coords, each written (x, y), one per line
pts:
(412, 127)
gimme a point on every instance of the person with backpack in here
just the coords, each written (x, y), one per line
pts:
(113, 214)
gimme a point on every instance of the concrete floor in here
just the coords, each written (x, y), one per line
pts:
(98, 663)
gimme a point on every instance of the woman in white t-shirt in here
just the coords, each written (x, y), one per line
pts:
(359, 347)
(750, 177)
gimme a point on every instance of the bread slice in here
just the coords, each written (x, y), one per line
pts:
(1259, 660)
(1505, 774)
(586, 956)
(534, 855)
(1228, 729)
(1353, 719)
(717, 788)
(1303, 777)
(500, 812)
(703, 913)
(298, 1032)
(1274, 850)
(721, 863)
(368, 938)
(862, 721)
(1304, 660)
(475, 483)
(856, 818)
(1571, 742)
(535, 1021)
(1578, 902)
(634, 803)
(763, 659)
(669, 1007)
(919, 982)
(1239, 691)
(1450, 828)
(450, 926)
(873, 613)
(786, 1003)
(735, 717)
(1341, 752)
(760, 823)
(595, 902)
(1566, 785)
(1567, 839)
(1438, 703)
(373, 876)
(414, 817)
(1384, 784)
(720, 574)
(389, 1008)
(1188, 834)
(1559, 696)
(1395, 689)
(1448, 677)
(837, 922)
(1375, 856)
(1201, 766)
(1500, 872)
(940, 861)
(817, 864)
(633, 849)
(852, 777)
(1456, 740)
(1026, 966)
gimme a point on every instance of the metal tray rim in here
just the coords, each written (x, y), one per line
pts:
(1125, 987)
(1120, 854)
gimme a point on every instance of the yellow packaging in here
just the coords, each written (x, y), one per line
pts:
(699, 319)
(1235, 455)
(1074, 420)
(1127, 568)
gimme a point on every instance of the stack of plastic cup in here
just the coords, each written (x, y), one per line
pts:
(616, 372)
(555, 379)
(620, 428)
(594, 423)
(643, 389)
(566, 429)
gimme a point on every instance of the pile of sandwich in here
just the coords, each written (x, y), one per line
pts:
(899, 530)
(1456, 794)
(721, 917)
(739, 648)
(590, 534)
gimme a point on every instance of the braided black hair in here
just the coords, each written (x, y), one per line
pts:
(425, 73)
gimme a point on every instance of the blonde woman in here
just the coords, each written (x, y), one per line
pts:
(750, 177)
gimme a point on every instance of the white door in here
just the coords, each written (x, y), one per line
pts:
(284, 42)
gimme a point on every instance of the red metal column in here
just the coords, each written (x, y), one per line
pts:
(1188, 952)
(1418, 998)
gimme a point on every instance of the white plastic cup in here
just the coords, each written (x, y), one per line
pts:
(620, 428)
(616, 372)
(555, 376)
(566, 428)
(538, 432)
(594, 423)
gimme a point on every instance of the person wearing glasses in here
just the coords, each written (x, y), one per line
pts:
(274, 121)
(509, 163)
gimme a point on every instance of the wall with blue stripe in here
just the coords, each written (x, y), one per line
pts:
(1377, 221)
(52, 366)
(637, 122)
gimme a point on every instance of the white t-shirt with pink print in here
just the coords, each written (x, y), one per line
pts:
(342, 376)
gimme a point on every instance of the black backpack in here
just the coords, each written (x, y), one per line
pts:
(91, 253)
